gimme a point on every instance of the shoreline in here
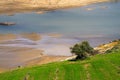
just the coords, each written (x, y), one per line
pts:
(35, 37)
(10, 9)
(20, 53)
(36, 62)
(28, 54)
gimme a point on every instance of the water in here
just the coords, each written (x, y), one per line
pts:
(97, 23)
(76, 20)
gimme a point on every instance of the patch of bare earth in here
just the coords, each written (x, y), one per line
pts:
(45, 59)
(1, 70)
(86, 66)
(12, 57)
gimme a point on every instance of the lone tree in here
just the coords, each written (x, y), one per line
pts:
(82, 50)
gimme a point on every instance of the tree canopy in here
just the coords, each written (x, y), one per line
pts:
(82, 50)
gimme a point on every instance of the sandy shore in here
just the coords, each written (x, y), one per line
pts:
(11, 57)
(4, 37)
(30, 49)
(23, 50)
(31, 36)
(45, 59)
(14, 57)
(15, 6)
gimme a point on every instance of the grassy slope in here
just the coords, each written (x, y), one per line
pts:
(99, 67)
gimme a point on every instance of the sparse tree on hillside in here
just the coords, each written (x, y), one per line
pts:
(82, 50)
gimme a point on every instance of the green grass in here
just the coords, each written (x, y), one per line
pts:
(99, 67)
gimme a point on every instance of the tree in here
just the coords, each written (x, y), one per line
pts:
(82, 50)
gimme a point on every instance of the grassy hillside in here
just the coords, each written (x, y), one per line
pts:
(99, 67)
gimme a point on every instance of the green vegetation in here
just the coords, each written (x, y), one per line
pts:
(82, 50)
(98, 67)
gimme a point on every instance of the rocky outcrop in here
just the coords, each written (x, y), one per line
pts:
(104, 48)
(7, 23)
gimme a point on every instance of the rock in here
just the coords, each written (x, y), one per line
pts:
(7, 23)
(108, 46)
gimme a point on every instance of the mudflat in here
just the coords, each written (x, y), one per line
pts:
(15, 57)
(4, 37)
(31, 36)
(11, 57)
(20, 50)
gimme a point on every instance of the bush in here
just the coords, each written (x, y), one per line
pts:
(82, 50)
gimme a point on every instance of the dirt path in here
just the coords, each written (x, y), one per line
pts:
(45, 59)
(86, 66)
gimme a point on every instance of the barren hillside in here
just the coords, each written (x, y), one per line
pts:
(13, 6)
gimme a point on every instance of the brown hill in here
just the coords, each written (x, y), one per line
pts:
(14, 6)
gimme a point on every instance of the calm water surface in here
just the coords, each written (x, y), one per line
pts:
(101, 21)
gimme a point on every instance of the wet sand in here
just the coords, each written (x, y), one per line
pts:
(15, 57)
(4, 37)
(23, 50)
(11, 57)
(31, 36)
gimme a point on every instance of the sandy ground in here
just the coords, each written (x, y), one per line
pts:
(4, 37)
(45, 59)
(13, 56)
(15, 6)
(31, 36)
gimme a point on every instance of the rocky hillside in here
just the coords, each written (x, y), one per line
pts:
(109, 47)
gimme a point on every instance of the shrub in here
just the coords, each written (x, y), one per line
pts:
(82, 50)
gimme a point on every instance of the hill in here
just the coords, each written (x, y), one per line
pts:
(15, 6)
(98, 67)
